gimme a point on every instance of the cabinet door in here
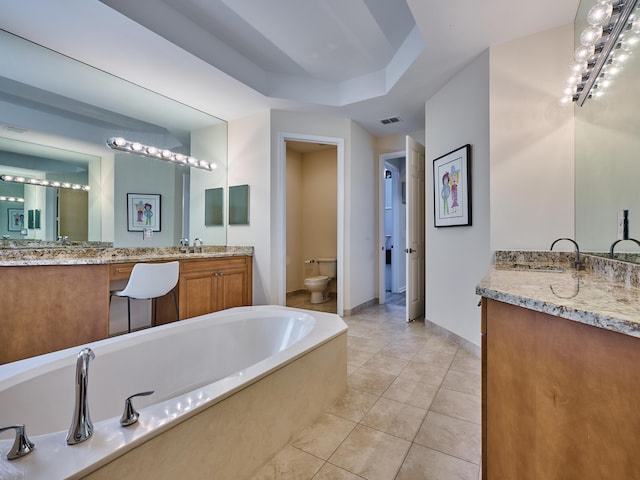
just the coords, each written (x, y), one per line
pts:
(232, 288)
(197, 294)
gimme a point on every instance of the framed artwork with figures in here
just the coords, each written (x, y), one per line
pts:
(143, 212)
(452, 188)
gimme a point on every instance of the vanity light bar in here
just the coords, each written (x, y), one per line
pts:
(11, 199)
(43, 183)
(124, 145)
(604, 46)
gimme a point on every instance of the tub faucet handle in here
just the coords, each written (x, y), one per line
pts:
(21, 445)
(130, 414)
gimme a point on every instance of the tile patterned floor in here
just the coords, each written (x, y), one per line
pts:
(411, 411)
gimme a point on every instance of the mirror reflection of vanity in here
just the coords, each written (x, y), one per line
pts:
(607, 158)
(55, 117)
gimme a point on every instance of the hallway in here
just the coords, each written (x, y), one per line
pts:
(411, 411)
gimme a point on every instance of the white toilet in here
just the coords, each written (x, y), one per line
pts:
(319, 286)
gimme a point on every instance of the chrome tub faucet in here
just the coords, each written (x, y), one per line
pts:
(81, 427)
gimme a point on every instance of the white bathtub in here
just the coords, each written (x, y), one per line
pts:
(192, 366)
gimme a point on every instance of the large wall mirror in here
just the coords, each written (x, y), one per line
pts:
(56, 115)
(607, 157)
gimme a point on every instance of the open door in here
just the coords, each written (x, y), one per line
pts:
(415, 251)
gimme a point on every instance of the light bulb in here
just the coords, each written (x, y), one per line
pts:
(578, 67)
(136, 147)
(599, 14)
(583, 53)
(591, 35)
(629, 42)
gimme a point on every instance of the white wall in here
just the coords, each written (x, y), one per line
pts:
(458, 257)
(254, 159)
(249, 163)
(208, 144)
(522, 167)
(361, 245)
(145, 175)
(532, 149)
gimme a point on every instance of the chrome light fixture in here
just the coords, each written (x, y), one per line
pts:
(124, 145)
(43, 183)
(11, 199)
(613, 31)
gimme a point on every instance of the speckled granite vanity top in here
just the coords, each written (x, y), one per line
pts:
(605, 294)
(92, 256)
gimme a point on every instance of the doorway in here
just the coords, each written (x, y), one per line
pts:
(299, 248)
(395, 230)
(402, 243)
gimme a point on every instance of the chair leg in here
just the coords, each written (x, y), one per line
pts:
(155, 309)
(175, 301)
(128, 314)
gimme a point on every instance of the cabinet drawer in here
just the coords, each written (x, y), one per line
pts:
(209, 264)
(120, 271)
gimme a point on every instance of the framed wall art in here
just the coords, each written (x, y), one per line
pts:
(16, 219)
(452, 188)
(143, 212)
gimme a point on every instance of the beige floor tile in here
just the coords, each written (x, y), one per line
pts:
(463, 382)
(370, 381)
(323, 437)
(331, 472)
(365, 344)
(425, 464)
(452, 436)
(441, 344)
(414, 393)
(371, 454)
(423, 373)
(467, 363)
(401, 350)
(458, 405)
(353, 405)
(395, 418)
(434, 358)
(385, 364)
(357, 358)
(290, 464)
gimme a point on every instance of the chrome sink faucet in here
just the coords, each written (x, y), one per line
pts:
(184, 243)
(81, 427)
(577, 262)
(618, 241)
(197, 245)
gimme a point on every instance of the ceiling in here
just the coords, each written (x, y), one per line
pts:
(363, 59)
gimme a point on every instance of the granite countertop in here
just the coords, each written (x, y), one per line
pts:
(590, 296)
(98, 256)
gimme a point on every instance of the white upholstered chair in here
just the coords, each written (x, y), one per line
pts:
(150, 281)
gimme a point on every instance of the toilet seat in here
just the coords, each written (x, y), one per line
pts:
(316, 280)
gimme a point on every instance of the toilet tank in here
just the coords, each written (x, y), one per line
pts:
(327, 266)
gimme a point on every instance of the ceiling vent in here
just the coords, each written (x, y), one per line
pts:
(390, 120)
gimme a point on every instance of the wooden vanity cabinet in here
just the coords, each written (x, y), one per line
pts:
(44, 308)
(560, 399)
(209, 285)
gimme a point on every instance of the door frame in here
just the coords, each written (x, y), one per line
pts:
(281, 209)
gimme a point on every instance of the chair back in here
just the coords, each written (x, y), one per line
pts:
(151, 280)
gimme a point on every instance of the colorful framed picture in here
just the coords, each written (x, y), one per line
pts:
(452, 188)
(16, 219)
(143, 212)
